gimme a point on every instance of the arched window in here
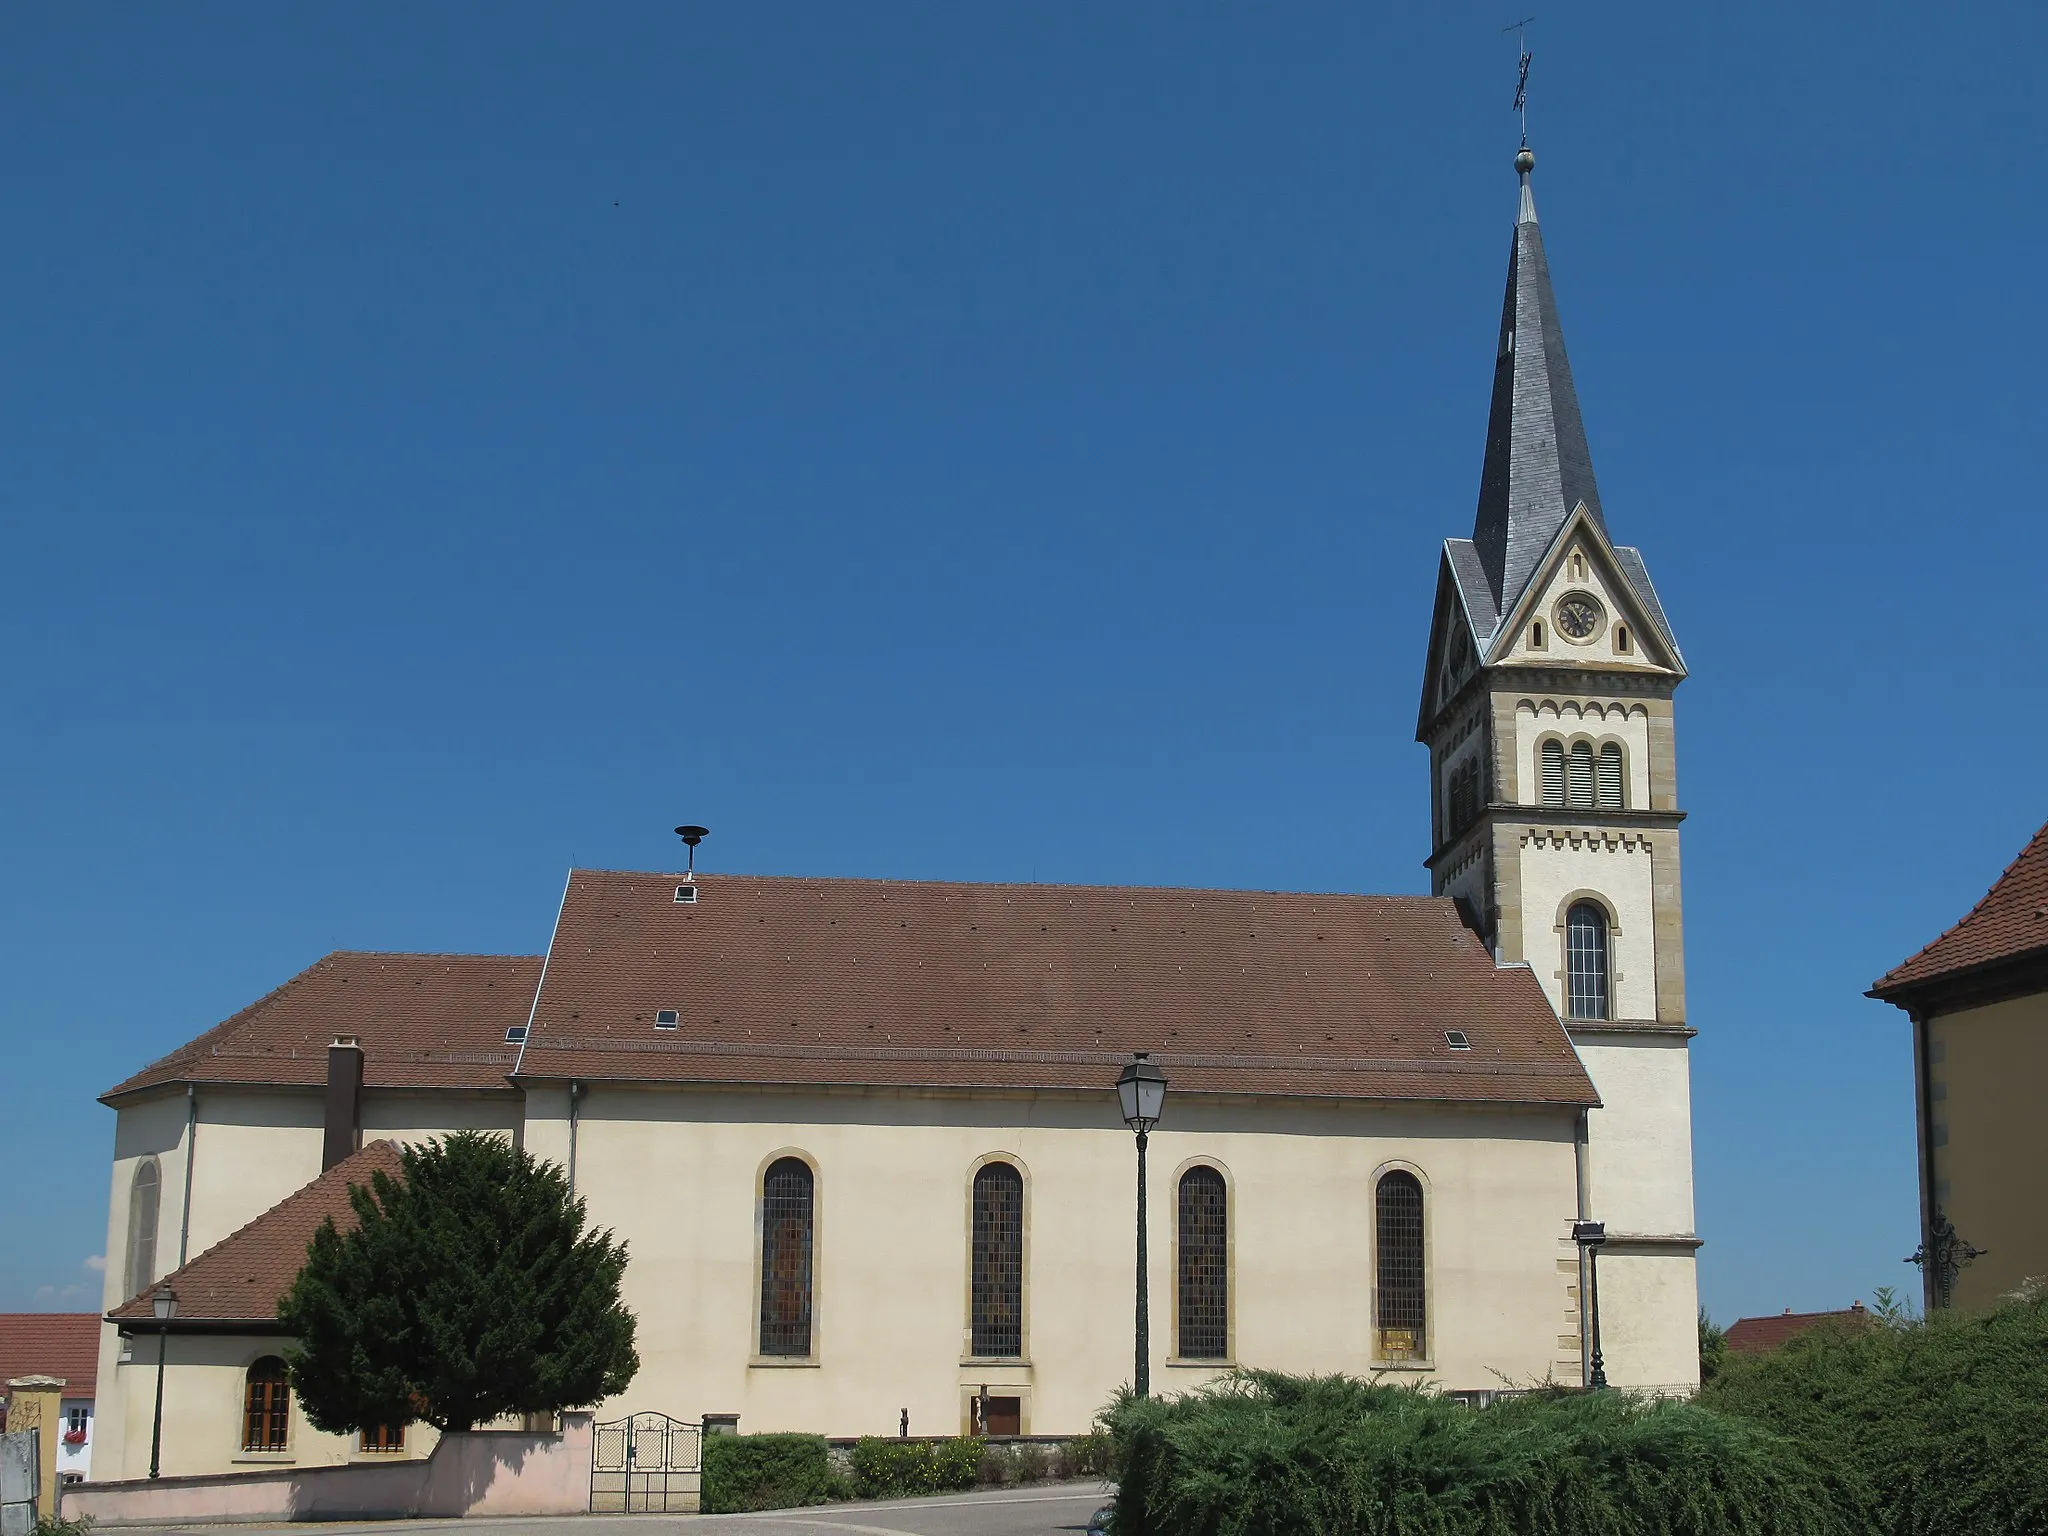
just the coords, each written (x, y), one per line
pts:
(1204, 1281)
(1553, 772)
(997, 1277)
(1621, 638)
(266, 1407)
(142, 1219)
(1461, 806)
(1609, 776)
(1585, 961)
(1403, 1324)
(1580, 777)
(786, 1228)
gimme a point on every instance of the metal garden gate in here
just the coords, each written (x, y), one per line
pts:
(649, 1463)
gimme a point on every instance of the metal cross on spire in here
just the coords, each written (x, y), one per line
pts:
(1521, 28)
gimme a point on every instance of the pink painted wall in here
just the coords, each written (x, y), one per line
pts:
(488, 1472)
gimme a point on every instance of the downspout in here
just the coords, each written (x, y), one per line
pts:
(1581, 1145)
(191, 1139)
(575, 1093)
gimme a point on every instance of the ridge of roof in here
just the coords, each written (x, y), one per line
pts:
(242, 1277)
(701, 876)
(2009, 921)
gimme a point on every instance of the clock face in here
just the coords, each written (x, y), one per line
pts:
(1578, 616)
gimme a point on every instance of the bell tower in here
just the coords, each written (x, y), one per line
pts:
(1554, 815)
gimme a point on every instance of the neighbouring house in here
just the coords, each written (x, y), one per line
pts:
(862, 1137)
(1761, 1335)
(64, 1345)
(1978, 999)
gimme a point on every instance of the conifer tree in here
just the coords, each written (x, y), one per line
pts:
(469, 1290)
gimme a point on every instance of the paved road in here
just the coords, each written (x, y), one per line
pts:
(1041, 1511)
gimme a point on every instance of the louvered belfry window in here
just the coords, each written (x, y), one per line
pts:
(1553, 772)
(1402, 1320)
(998, 1275)
(1463, 808)
(786, 1228)
(1204, 1280)
(266, 1407)
(1585, 962)
(1610, 777)
(1581, 780)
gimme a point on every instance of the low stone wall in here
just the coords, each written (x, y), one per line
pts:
(485, 1472)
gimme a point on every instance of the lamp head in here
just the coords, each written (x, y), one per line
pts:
(163, 1301)
(1589, 1234)
(1141, 1092)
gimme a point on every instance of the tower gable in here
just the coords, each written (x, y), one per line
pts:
(1586, 606)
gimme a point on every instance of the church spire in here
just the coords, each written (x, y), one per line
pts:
(1538, 467)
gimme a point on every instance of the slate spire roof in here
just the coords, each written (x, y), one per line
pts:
(1538, 467)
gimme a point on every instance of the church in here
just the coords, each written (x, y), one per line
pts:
(862, 1137)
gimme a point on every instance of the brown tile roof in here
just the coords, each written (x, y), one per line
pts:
(2011, 921)
(241, 1277)
(424, 1020)
(886, 983)
(63, 1344)
(1761, 1335)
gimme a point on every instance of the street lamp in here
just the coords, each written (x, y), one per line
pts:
(1589, 1235)
(1141, 1092)
(164, 1303)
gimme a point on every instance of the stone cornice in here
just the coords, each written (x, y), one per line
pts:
(1567, 821)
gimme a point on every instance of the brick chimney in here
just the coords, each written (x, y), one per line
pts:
(344, 1119)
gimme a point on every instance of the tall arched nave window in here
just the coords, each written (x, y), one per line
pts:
(1203, 1284)
(1579, 777)
(786, 1232)
(143, 1203)
(1399, 1277)
(996, 1289)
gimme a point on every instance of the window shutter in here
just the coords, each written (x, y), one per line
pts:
(1610, 777)
(1582, 774)
(1553, 773)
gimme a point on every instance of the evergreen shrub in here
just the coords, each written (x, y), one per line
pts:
(747, 1472)
(885, 1468)
(1935, 1426)
(1258, 1453)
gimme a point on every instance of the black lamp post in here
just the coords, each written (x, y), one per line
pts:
(164, 1303)
(1141, 1092)
(1589, 1235)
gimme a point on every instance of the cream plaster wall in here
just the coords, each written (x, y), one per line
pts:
(413, 1117)
(677, 1172)
(204, 1388)
(1639, 1162)
(1987, 1078)
(1649, 1319)
(1557, 865)
(1570, 720)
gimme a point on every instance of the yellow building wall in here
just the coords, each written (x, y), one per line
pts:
(1987, 1075)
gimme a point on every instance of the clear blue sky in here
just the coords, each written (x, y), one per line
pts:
(442, 443)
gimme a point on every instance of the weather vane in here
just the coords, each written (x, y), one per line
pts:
(1522, 77)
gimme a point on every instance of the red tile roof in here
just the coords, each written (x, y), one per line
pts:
(63, 1344)
(424, 1021)
(1761, 1335)
(917, 983)
(242, 1277)
(2009, 923)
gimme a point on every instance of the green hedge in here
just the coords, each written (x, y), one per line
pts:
(743, 1472)
(884, 1468)
(1934, 1427)
(1259, 1453)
